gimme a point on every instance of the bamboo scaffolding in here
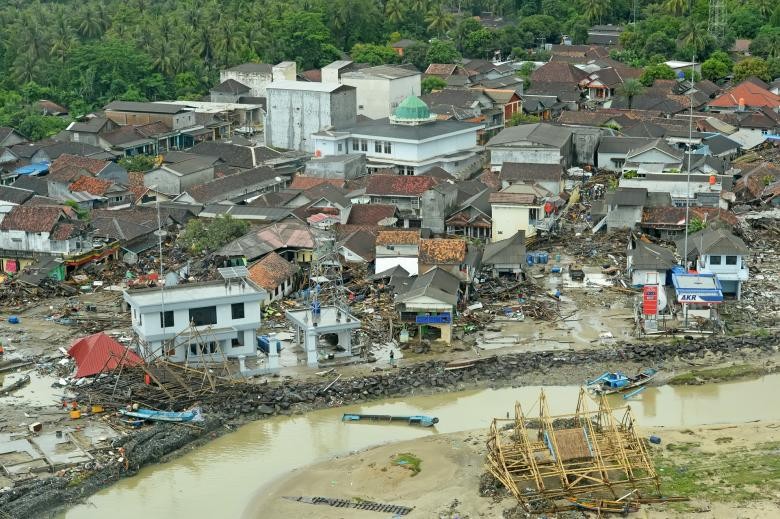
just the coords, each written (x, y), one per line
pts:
(608, 458)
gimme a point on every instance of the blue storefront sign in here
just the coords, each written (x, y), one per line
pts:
(443, 318)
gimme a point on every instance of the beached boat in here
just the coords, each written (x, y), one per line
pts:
(617, 382)
(603, 505)
(192, 415)
(421, 420)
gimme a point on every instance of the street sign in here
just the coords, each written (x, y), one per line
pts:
(443, 318)
(650, 300)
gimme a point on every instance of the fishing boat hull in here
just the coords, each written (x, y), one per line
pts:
(420, 420)
(163, 416)
(634, 382)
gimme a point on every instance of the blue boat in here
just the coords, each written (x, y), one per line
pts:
(421, 420)
(617, 381)
(192, 415)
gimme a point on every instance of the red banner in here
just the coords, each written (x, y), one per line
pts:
(650, 300)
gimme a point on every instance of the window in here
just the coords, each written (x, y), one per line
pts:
(731, 260)
(355, 145)
(237, 342)
(715, 260)
(363, 145)
(378, 146)
(193, 349)
(237, 310)
(166, 319)
(388, 147)
(203, 315)
(340, 147)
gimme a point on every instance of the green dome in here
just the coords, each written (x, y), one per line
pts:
(412, 109)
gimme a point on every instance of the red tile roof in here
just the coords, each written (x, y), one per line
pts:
(370, 214)
(136, 186)
(398, 237)
(441, 69)
(271, 271)
(303, 182)
(92, 185)
(400, 185)
(440, 250)
(94, 166)
(750, 94)
(31, 219)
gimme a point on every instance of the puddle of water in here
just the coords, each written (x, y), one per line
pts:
(38, 393)
(223, 477)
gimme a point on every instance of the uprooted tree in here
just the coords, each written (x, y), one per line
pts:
(200, 235)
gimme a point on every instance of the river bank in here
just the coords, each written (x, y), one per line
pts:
(711, 465)
(226, 411)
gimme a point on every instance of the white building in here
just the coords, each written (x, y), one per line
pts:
(257, 76)
(411, 142)
(514, 209)
(536, 143)
(296, 109)
(381, 89)
(199, 321)
(717, 251)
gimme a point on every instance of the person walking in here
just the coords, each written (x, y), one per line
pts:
(392, 358)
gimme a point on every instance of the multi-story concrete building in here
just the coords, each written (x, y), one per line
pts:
(411, 142)
(208, 321)
(381, 89)
(296, 109)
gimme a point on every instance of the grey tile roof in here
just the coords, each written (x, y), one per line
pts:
(517, 171)
(509, 251)
(713, 241)
(252, 68)
(230, 86)
(383, 128)
(536, 133)
(15, 195)
(621, 145)
(648, 256)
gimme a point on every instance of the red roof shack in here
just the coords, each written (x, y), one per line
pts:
(100, 353)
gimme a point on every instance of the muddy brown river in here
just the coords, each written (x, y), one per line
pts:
(223, 478)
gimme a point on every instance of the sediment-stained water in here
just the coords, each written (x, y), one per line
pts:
(222, 478)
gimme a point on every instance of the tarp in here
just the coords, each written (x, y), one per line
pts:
(99, 352)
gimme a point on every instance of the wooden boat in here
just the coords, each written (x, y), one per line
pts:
(164, 416)
(604, 505)
(617, 382)
(16, 385)
(421, 420)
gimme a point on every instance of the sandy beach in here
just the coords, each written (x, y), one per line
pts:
(704, 463)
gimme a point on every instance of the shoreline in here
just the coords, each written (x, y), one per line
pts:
(161, 443)
(371, 474)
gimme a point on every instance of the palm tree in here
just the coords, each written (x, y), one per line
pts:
(675, 7)
(695, 35)
(394, 11)
(25, 68)
(765, 7)
(630, 89)
(439, 20)
(162, 59)
(205, 44)
(595, 10)
(62, 39)
(419, 6)
(90, 26)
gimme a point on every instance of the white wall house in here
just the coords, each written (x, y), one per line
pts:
(256, 76)
(536, 143)
(514, 211)
(208, 321)
(717, 251)
(381, 89)
(411, 142)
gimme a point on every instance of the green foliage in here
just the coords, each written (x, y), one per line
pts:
(199, 236)
(751, 67)
(409, 461)
(36, 127)
(441, 51)
(630, 89)
(372, 54)
(521, 118)
(713, 69)
(431, 83)
(696, 224)
(140, 163)
(480, 43)
(766, 44)
(653, 72)
(744, 22)
(81, 213)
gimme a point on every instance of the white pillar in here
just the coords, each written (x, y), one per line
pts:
(310, 345)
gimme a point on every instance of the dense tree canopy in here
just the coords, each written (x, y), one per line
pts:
(84, 53)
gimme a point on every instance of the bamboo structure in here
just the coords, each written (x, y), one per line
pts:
(549, 462)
